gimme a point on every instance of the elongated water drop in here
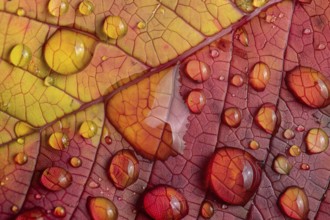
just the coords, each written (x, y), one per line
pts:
(22, 129)
(259, 76)
(21, 158)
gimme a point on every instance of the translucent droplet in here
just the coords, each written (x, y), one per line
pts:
(88, 129)
(75, 162)
(321, 46)
(20, 12)
(86, 7)
(141, 25)
(56, 178)
(20, 55)
(282, 165)
(242, 37)
(316, 140)
(232, 117)
(20, 141)
(300, 128)
(14, 209)
(102, 208)
(268, 118)
(245, 5)
(294, 203)
(304, 166)
(21, 158)
(59, 212)
(58, 7)
(237, 80)
(198, 71)
(294, 151)
(288, 134)
(58, 141)
(108, 140)
(92, 184)
(214, 53)
(207, 210)
(49, 81)
(259, 76)
(307, 31)
(114, 27)
(196, 101)
(254, 145)
(22, 129)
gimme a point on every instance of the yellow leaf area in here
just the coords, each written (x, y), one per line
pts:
(142, 114)
(157, 31)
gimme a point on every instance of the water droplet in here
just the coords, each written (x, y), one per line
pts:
(32, 214)
(88, 129)
(294, 203)
(254, 145)
(321, 46)
(207, 210)
(70, 55)
(221, 78)
(75, 162)
(22, 129)
(49, 81)
(20, 12)
(58, 141)
(14, 208)
(141, 25)
(37, 196)
(20, 55)
(92, 184)
(282, 165)
(224, 206)
(268, 118)
(259, 3)
(114, 27)
(21, 158)
(245, 5)
(228, 181)
(198, 71)
(56, 178)
(196, 101)
(259, 76)
(242, 36)
(300, 128)
(20, 141)
(309, 86)
(307, 31)
(164, 202)
(58, 7)
(294, 151)
(237, 80)
(281, 15)
(108, 140)
(304, 166)
(86, 7)
(59, 212)
(124, 169)
(214, 53)
(102, 208)
(232, 117)
(316, 140)
(288, 134)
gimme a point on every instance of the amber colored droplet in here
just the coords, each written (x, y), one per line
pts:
(259, 76)
(56, 178)
(233, 184)
(108, 140)
(242, 37)
(309, 86)
(282, 165)
(316, 140)
(232, 117)
(20, 141)
(49, 81)
(141, 25)
(254, 145)
(32, 214)
(294, 203)
(102, 208)
(259, 3)
(88, 129)
(268, 118)
(59, 212)
(14, 208)
(20, 12)
(124, 169)
(237, 80)
(196, 101)
(198, 71)
(288, 134)
(22, 129)
(21, 158)
(86, 7)
(75, 162)
(164, 202)
(207, 210)
(58, 7)
(114, 27)
(294, 151)
(20, 55)
(58, 141)
(304, 166)
(244, 5)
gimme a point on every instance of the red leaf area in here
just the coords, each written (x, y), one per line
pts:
(180, 113)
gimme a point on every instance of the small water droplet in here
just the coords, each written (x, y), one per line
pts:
(86, 7)
(20, 55)
(214, 53)
(304, 166)
(92, 184)
(14, 209)
(282, 165)
(141, 25)
(232, 117)
(196, 101)
(58, 141)
(307, 31)
(59, 212)
(88, 129)
(20, 12)
(288, 134)
(237, 80)
(268, 118)
(321, 46)
(75, 162)
(294, 151)
(108, 140)
(207, 209)
(119, 198)
(58, 7)
(49, 81)
(114, 27)
(254, 145)
(21, 158)
(270, 18)
(2, 183)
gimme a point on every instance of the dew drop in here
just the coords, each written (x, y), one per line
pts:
(198, 71)
(14, 208)
(58, 141)
(237, 80)
(108, 140)
(288, 134)
(254, 145)
(88, 129)
(114, 27)
(221, 78)
(307, 31)
(101, 208)
(75, 162)
(21, 158)
(92, 184)
(58, 7)
(300, 128)
(20, 12)
(124, 169)
(141, 25)
(22, 129)
(207, 210)
(20, 55)
(59, 212)
(196, 101)
(56, 178)
(259, 3)
(321, 46)
(37, 196)
(294, 151)
(281, 165)
(232, 117)
(49, 81)
(245, 5)
(304, 166)
(86, 7)
(32, 214)
(20, 141)
(242, 36)
(259, 76)
(268, 118)
(316, 140)
(214, 53)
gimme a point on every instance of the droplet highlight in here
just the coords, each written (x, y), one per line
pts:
(58, 7)
(207, 210)
(58, 141)
(281, 165)
(20, 55)
(259, 77)
(114, 27)
(86, 7)
(232, 117)
(242, 36)
(101, 208)
(88, 129)
(268, 118)
(22, 129)
(196, 101)
(316, 140)
(198, 71)
(56, 178)
(288, 134)
(21, 158)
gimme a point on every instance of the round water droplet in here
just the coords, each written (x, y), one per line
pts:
(259, 3)
(307, 31)
(58, 7)
(124, 169)
(59, 212)
(20, 12)
(14, 208)
(237, 80)
(234, 185)
(68, 52)
(21, 158)
(102, 208)
(22, 129)
(316, 140)
(288, 134)
(294, 151)
(20, 141)
(198, 71)
(196, 101)
(232, 117)
(304, 166)
(141, 25)
(114, 27)
(92, 184)
(207, 210)
(75, 162)
(88, 129)
(56, 178)
(254, 145)
(309, 86)
(245, 5)
(86, 7)
(282, 165)
(49, 81)
(268, 118)
(164, 202)
(20, 55)
(214, 53)
(259, 76)
(32, 214)
(107, 139)
(58, 141)
(242, 36)
(294, 203)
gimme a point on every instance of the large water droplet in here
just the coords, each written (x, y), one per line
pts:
(75, 162)
(114, 27)
(88, 129)
(237, 80)
(21, 158)
(59, 212)
(58, 141)
(268, 118)
(32, 214)
(86, 7)
(259, 76)
(124, 169)
(232, 117)
(294, 151)
(14, 208)
(294, 203)
(316, 140)
(20, 55)
(207, 210)
(58, 7)
(282, 165)
(196, 101)
(56, 178)
(198, 71)
(102, 208)
(164, 202)
(233, 184)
